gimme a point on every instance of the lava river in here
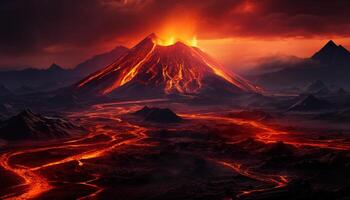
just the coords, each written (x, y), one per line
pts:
(34, 183)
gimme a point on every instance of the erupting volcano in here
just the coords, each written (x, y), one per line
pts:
(151, 69)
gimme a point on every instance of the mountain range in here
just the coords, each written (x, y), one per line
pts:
(54, 77)
(331, 64)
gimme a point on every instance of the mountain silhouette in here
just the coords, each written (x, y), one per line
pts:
(160, 115)
(332, 54)
(99, 61)
(317, 86)
(55, 76)
(311, 103)
(331, 64)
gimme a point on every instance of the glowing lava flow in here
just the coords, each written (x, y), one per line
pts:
(267, 135)
(37, 184)
(278, 181)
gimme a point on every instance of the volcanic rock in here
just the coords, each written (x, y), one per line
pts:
(161, 115)
(152, 70)
(28, 125)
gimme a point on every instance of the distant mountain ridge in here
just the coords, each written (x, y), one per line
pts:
(331, 64)
(99, 61)
(311, 103)
(332, 54)
(55, 76)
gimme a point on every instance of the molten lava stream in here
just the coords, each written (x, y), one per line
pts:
(267, 135)
(37, 184)
(277, 180)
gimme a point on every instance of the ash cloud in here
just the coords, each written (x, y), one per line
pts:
(45, 26)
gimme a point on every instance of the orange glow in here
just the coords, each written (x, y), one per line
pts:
(37, 184)
(172, 39)
(178, 29)
(242, 53)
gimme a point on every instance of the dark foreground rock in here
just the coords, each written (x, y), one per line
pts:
(28, 125)
(160, 115)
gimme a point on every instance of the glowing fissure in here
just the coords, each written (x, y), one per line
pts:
(277, 180)
(173, 40)
(130, 74)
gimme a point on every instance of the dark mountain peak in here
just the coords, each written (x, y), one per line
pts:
(343, 49)
(144, 72)
(27, 117)
(332, 54)
(330, 44)
(311, 103)
(55, 67)
(160, 115)
(143, 112)
(329, 48)
(316, 86)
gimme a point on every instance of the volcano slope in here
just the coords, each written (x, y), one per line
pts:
(153, 70)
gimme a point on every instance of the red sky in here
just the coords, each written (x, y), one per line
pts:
(236, 32)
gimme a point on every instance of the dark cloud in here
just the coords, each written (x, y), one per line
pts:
(47, 26)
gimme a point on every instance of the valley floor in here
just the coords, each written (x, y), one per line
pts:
(210, 155)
